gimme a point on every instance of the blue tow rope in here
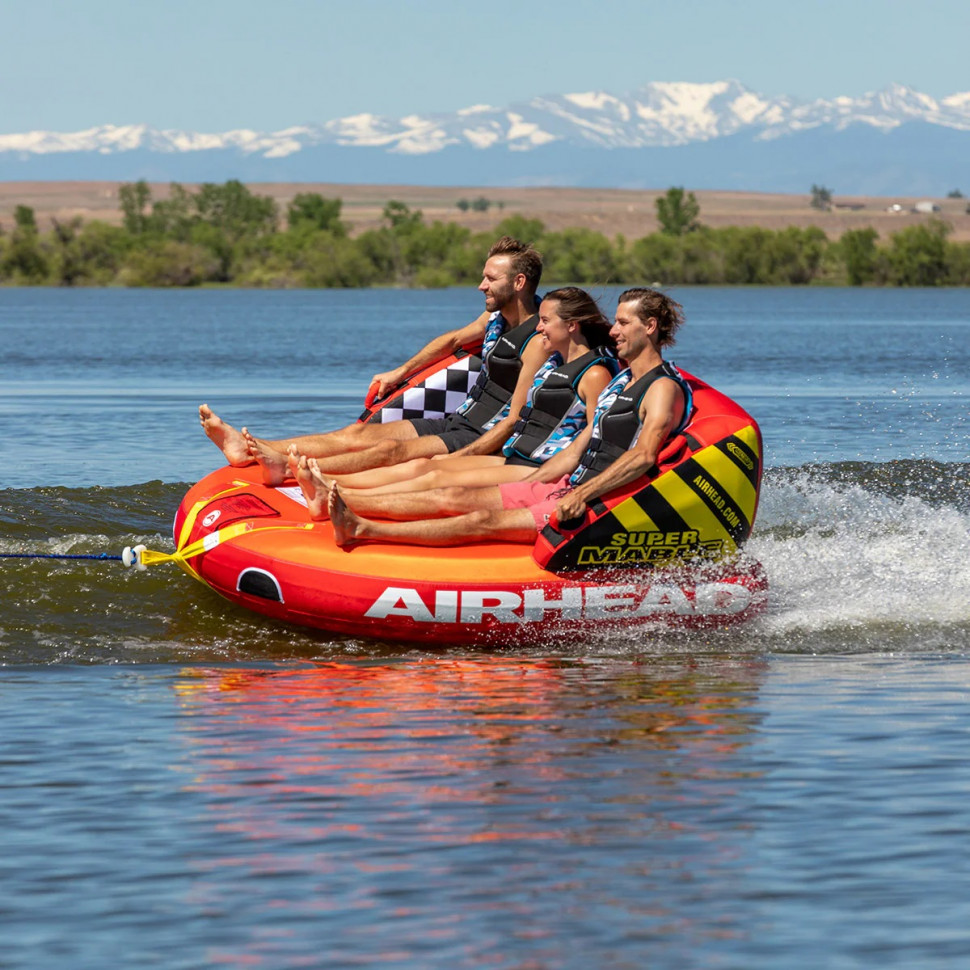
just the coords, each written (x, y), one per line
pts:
(48, 555)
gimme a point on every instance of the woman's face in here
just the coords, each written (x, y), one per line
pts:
(554, 330)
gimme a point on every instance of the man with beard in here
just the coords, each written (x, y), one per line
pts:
(510, 359)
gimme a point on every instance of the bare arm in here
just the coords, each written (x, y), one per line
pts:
(660, 410)
(491, 441)
(440, 347)
(591, 386)
(564, 462)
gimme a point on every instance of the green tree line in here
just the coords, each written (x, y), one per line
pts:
(226, 234)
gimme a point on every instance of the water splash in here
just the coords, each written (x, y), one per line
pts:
(865, 548)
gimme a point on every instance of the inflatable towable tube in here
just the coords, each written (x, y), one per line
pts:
(431, 392)
(660, 551)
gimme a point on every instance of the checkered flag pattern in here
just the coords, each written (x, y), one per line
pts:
(441, 394)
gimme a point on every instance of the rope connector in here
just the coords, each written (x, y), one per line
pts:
(132, 557)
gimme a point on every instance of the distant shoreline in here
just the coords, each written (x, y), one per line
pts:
(627, 212)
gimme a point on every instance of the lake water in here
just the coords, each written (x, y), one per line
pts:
(187, 785)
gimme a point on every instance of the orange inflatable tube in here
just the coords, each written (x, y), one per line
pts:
(660, 551)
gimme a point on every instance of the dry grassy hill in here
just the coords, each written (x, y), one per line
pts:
(610, 211)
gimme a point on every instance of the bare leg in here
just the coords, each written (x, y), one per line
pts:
(386, 452)
(374, 477)
(442, 476)
(225, 437)
(511, 525)
(418, 468)
(437, 502)
(355, 437)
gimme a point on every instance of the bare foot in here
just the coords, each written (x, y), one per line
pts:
(292, 460)
(325, 480)
(273, 462)
(316, 489)
(346, 525)
(225, 437)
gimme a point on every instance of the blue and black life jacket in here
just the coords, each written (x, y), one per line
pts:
(616, 428)
(556, 413)
(499, 375)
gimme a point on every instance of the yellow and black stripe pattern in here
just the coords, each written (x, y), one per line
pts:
(704, 506)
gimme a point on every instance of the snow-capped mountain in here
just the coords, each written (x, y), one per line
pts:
(720, 134)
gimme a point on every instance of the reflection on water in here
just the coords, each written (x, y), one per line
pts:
(488, 812)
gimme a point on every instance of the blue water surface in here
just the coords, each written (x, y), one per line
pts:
(489, 812)
(791, 794)
(102, 386)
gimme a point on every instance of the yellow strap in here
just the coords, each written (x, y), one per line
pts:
(149, 557)
(183, 553)
(181, 557)
(200, 505)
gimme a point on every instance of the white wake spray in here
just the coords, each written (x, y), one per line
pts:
(843, 555)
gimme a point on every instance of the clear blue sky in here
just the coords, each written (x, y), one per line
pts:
(212, 65)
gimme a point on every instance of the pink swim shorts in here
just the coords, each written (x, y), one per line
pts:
(540, 498)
